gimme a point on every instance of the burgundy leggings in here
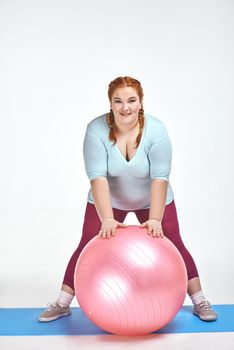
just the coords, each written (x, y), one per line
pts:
(92, 225)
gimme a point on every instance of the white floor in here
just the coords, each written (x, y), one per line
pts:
(198, 341)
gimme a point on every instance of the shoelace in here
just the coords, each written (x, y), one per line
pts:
(205, 305)
(51, 305)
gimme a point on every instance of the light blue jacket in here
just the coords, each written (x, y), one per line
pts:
(129, 181)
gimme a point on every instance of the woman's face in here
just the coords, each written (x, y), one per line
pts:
(125, 103)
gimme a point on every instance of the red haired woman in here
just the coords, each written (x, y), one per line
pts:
(127, 155)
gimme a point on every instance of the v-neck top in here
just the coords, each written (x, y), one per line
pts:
(129, 180)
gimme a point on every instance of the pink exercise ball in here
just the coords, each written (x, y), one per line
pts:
(132, 283)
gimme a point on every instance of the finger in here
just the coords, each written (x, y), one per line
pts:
(150, 230)
(161, 234)
(113, 232)
(155, 232)
(108, 233)
(103, 234)
(143, 225)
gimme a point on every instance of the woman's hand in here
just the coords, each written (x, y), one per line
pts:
(154, 227)
(108, 228)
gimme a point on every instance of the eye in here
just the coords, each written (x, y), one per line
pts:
(132, 101)
(117, 101)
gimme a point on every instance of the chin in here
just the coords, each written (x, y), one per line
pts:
(128, 119)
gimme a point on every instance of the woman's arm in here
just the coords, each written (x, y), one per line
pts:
(158, 196)
(101, 196)
(95, 158)
(102, 201)
(160, 154)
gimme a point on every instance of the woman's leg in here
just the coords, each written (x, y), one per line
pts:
(170, 226)
(171, 230)
(91, 227)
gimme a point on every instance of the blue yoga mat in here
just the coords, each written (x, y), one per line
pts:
(23, 321)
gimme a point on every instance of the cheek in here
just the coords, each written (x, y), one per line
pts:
(116, 110)
(116, 106)
(136, 108)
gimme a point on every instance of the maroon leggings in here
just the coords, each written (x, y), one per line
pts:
(92, 225)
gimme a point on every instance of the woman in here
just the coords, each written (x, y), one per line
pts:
(127, 156)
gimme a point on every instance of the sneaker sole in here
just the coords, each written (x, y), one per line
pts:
(48, 319)
(206, 318)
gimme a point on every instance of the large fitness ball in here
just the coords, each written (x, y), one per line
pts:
(132, 283)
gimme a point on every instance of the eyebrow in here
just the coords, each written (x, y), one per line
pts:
(118, 98)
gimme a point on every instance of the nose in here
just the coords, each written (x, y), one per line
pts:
(125, 107)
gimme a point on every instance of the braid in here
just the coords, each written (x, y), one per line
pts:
(112, 136)
(141, 120)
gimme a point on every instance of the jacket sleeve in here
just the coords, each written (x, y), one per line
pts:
(160, 154)
(95, 155)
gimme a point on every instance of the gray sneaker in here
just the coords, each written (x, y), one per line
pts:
(205, 312)
(53, 312)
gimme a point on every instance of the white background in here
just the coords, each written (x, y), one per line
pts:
(56, 61)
